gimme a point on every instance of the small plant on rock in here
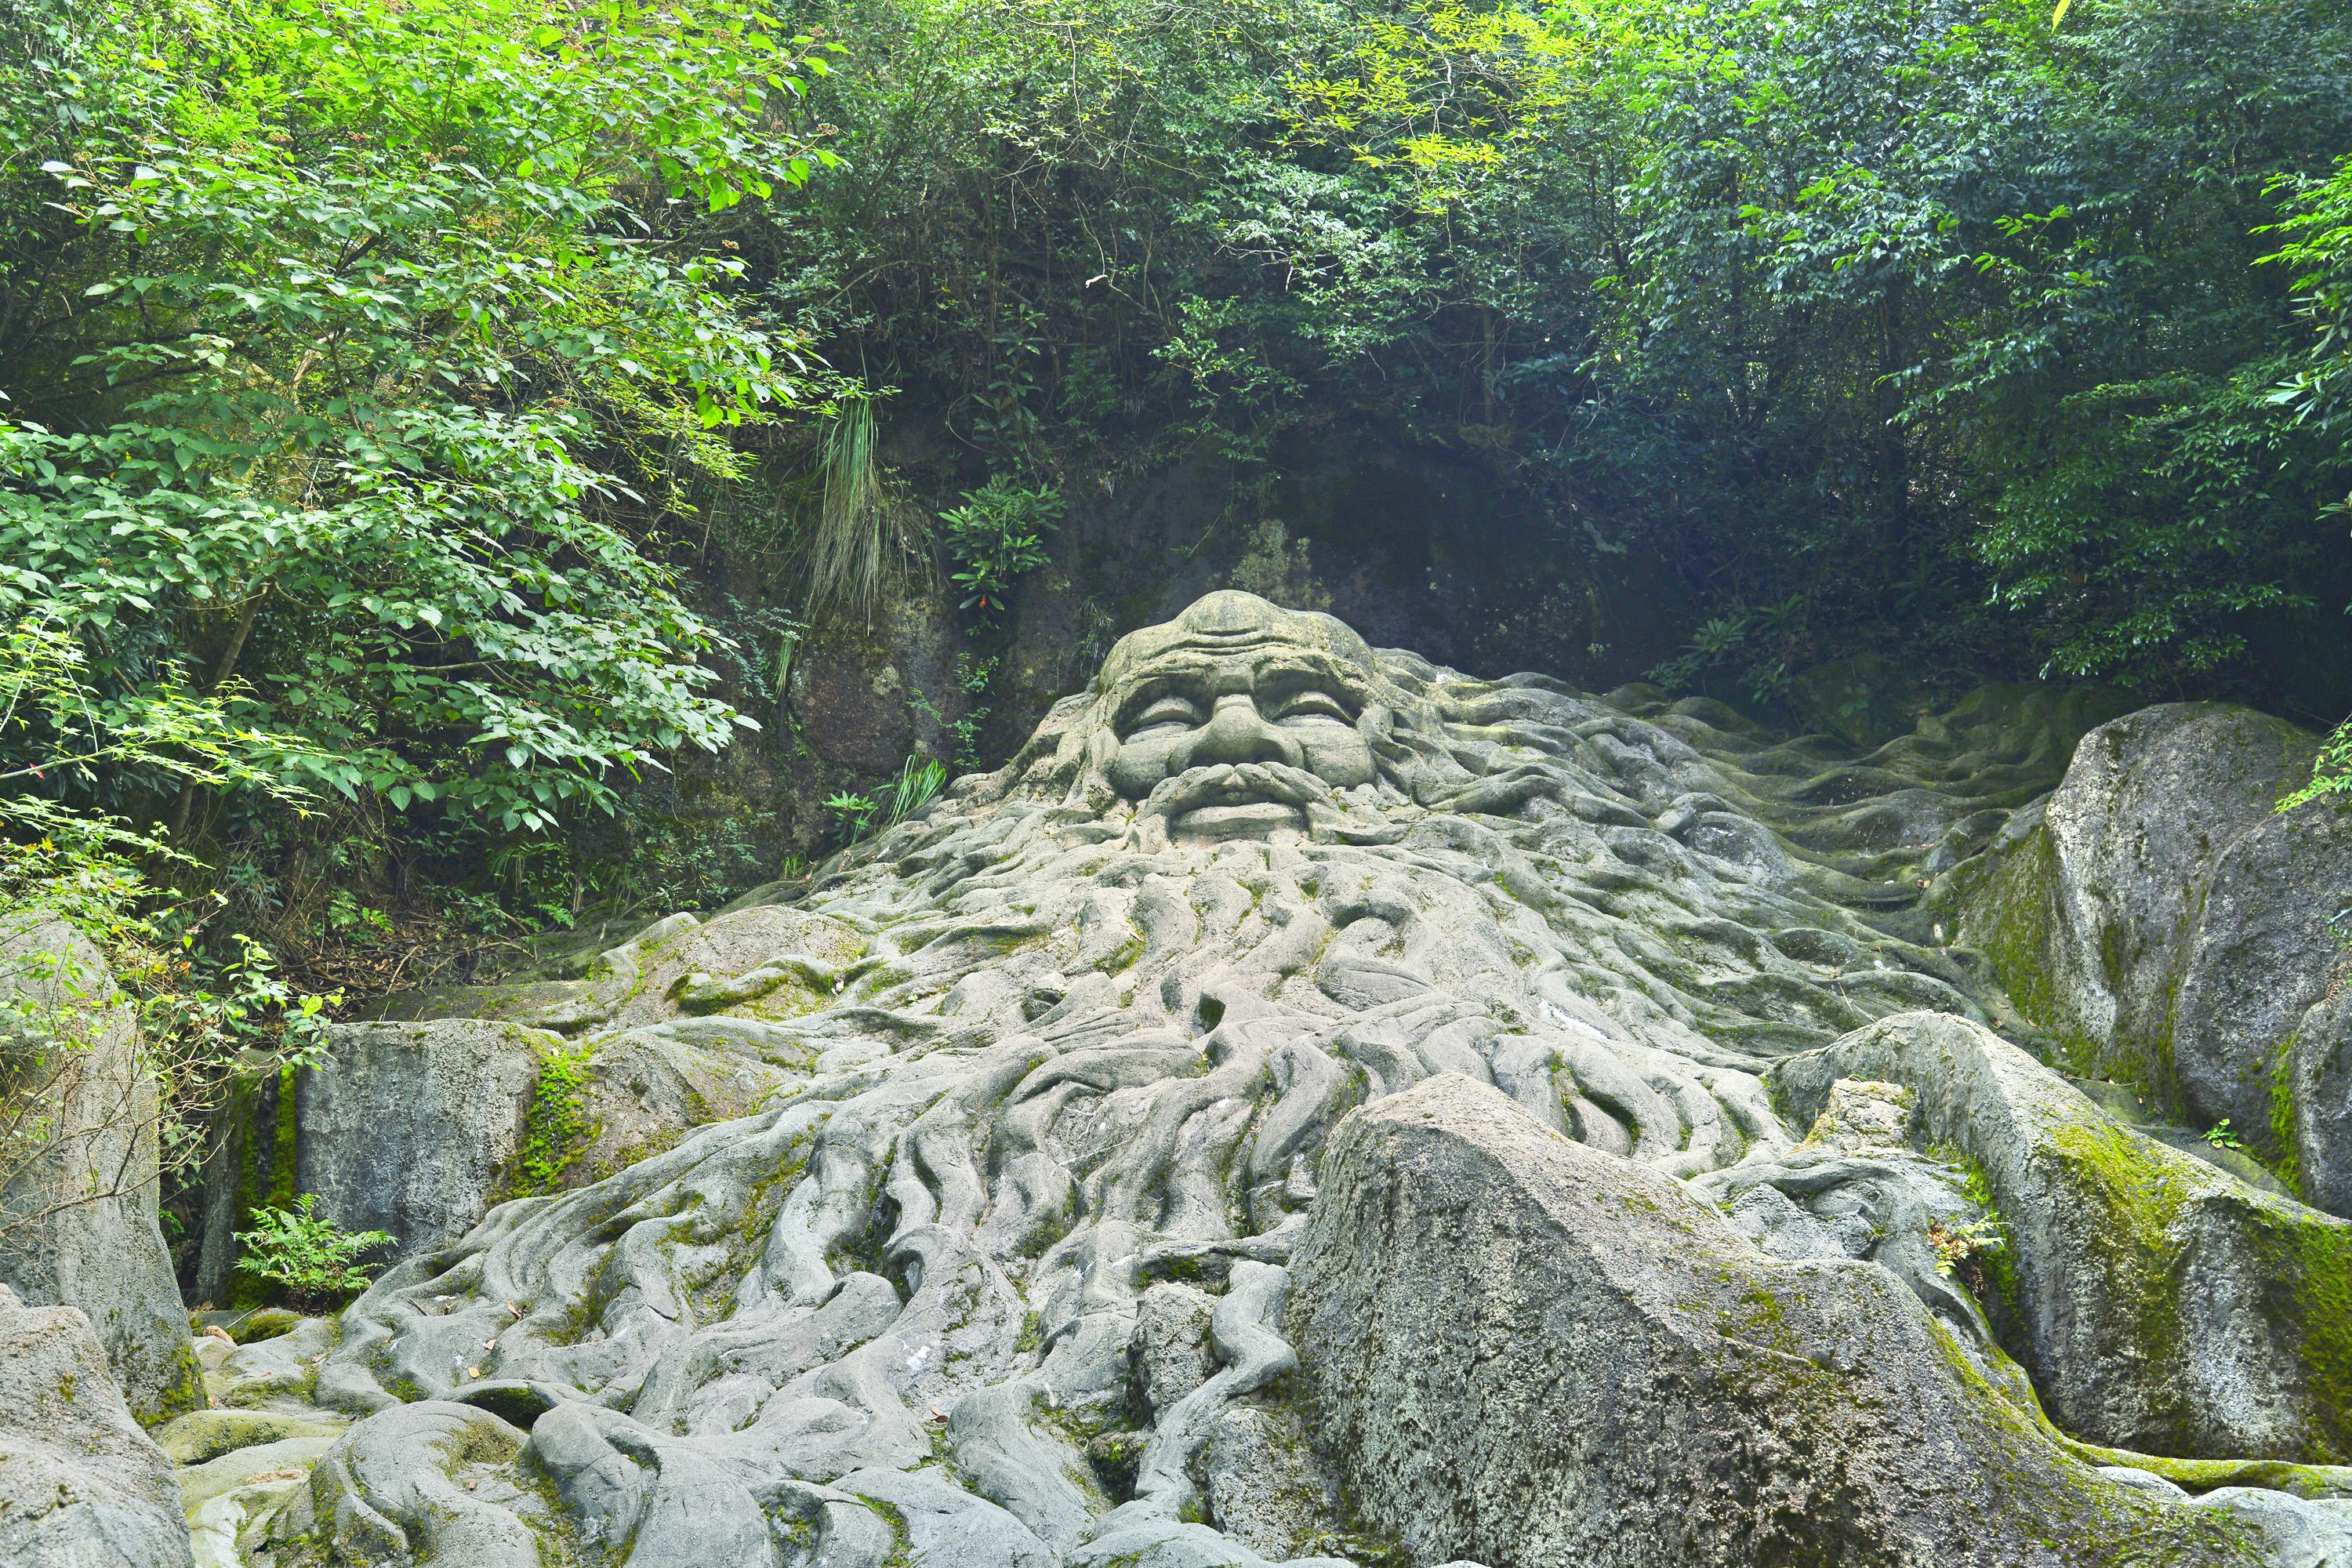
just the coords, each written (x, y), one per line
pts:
(974, 677)
(1964, 1250)
(853, 811)
(918, 786)
(312, 1259)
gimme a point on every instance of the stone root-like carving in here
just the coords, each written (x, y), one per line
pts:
(1002, 1276)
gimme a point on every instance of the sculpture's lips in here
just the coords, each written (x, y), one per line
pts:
(1252, 820)
(1222, 801)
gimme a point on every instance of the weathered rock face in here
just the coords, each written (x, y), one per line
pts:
(1531, 1353)
(2171, 927)
(401, 1127)
(81, 1485)
(2319, 1091)
(417, 1125)
(78, 1210)
(417, 1129)
(999, 1274)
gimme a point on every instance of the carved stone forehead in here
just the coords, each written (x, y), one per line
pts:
(1231, 627)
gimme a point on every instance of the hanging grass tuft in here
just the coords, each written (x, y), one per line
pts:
(862, 530)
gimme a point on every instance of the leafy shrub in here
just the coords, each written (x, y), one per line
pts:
(382, 486)
(997, 536)
(312, 1259)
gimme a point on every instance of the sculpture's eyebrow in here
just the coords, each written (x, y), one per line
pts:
(1290, 672)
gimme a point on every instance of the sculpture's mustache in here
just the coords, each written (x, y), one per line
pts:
(1225, 783)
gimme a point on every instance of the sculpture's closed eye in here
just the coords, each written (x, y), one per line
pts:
(1165, 713)
(1309, 707)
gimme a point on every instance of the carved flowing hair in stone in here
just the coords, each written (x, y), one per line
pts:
(999, 1278)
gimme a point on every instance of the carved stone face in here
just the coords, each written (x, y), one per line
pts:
(1232, 719)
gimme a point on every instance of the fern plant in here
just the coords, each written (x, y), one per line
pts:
(315, 1261)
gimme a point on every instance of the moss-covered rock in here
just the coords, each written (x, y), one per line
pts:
(2167, 1307)
(2165, 924)
(416, 1121)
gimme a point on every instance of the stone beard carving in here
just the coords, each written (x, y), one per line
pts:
(1002, 1280)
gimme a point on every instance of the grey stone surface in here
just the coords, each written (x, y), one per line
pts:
(2167, 1307)
(1172, 1343)
(394, 1489)
(272, 1375)
(81, 1485)
(205, 1435)
(997, 1272)
(648, 1087)
(1266, 1486)
(2149, 805)
(407, 1128)
(2320, 1065)
(78, 1198)
(1529, 1353)
(2262, 957)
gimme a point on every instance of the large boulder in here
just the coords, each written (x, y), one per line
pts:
(406, 1127)
(417, 1120)
(1526, 1351)
(81, 1485)
(2165, 1305)
(78, 1156)
(2170, 927)
(2249, 1030)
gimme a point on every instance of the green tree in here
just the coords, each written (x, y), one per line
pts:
(347, 340)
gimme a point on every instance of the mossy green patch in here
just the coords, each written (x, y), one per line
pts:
(2006, 1311)
(2026, 1461)
(555, 1128)
(2281, 1154)
(284, 1142)
(262, 1109)
(2006, 913)
(901, 1543)
(2137, 1194)
(183, 1390)
(2309, 1256)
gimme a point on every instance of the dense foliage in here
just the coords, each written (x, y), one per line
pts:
(1957, 328)
(359, 361)
(356, 354)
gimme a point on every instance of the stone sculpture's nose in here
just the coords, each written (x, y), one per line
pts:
(1236, 733)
